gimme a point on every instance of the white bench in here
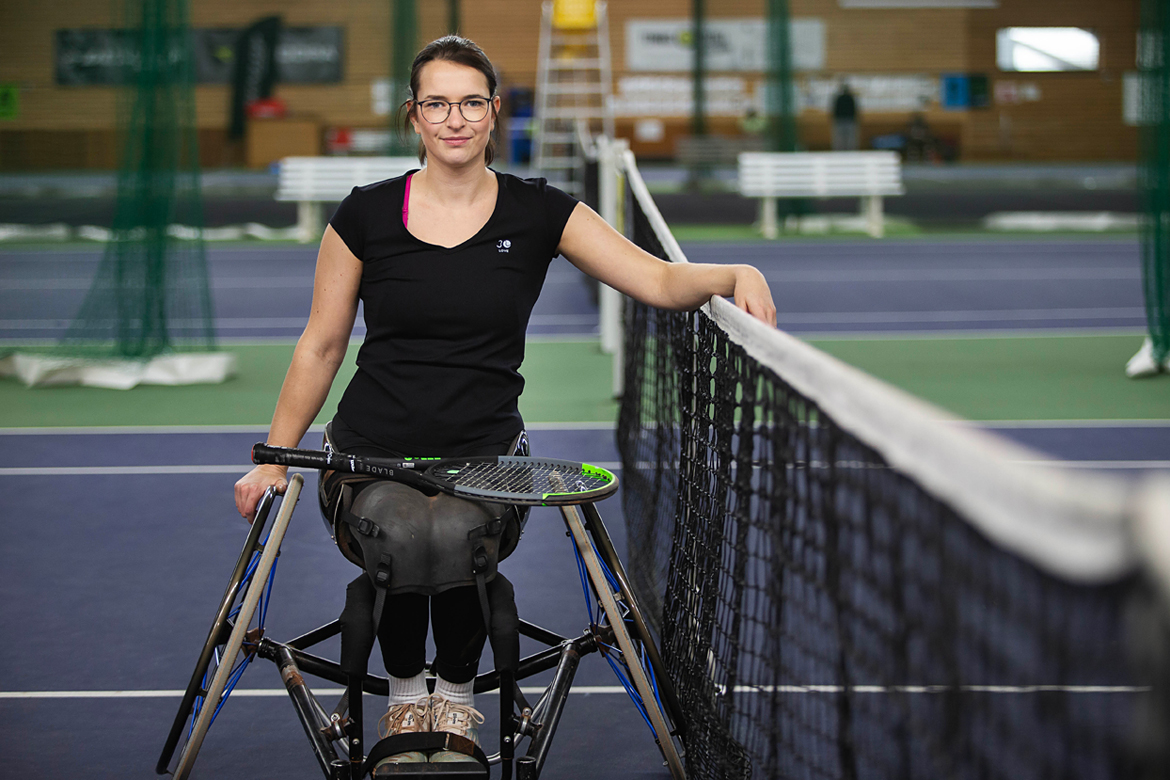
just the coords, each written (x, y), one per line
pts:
(868, 175)
(311, 181)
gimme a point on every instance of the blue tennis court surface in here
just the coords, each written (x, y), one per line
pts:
(140, 554)
(820, 287)
(960, 284)
(258, 293)
(119, 542)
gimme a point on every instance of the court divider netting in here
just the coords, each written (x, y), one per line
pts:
(850, 583)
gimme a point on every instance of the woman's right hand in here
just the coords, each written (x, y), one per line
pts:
(250, 488)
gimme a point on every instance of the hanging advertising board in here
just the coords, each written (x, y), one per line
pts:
(304, 55)
(666, 45)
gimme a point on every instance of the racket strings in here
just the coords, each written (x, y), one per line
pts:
(536, 478)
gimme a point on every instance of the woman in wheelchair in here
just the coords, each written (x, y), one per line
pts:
(448, 262)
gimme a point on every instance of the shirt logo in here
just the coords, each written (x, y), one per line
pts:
(503, 245)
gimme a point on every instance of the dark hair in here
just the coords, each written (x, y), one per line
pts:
(452, 48)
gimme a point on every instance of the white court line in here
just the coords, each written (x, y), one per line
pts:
(944, 334)
(841, 276)
(87, 471)
(901, 275)
(240, 323)
(1029, 245)
(1098, 464)
(90, 471)
(1066, 423)
(148, 430)
(217, 283)
(252, 693)
(971, 315)
(259, 428)
(943, 688)
(617, 689)
(254, 323)
(571, 426)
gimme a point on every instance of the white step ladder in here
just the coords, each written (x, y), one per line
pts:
(574, 96)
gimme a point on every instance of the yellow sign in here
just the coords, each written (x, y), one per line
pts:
(574, 14)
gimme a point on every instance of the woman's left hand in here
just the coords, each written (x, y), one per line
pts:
(753, 296)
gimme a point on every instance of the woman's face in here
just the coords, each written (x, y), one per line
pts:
(453, 141)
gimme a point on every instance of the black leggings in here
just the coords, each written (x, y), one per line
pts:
(457, 621)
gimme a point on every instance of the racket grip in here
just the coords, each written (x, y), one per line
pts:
(288, 456)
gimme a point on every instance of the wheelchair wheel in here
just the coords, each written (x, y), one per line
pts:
(633, 646)
(220, 664)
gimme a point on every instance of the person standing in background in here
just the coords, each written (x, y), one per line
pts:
(845, 135)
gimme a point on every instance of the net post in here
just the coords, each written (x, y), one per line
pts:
(308, 221)
(871, 209)
(610, 300)
(607, 205)
(768, 226)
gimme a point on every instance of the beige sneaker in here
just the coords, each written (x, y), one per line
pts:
(455, 719)
(404, 719)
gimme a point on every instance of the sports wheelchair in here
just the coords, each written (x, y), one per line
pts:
(616, 630)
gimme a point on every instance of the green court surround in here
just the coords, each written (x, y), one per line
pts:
(1014, 377)
(568, 381)
(1064, 377)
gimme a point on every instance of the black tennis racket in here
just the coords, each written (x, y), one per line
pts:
(508, 479)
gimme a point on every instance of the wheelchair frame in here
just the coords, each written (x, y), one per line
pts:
(337, 740)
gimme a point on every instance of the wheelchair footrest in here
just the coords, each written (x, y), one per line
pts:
(477, 767)
(458, 771)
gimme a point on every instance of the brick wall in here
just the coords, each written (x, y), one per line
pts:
(1077, 116)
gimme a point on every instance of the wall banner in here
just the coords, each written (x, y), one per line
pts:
(85, 57)
(304, 55)
(665, 45)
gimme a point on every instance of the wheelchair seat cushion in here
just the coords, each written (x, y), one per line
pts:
(339, 496)
(430, 542)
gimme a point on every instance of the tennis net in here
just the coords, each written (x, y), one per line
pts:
(848, 583)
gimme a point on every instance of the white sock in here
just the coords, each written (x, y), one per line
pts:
(408, 690)
(456, 693)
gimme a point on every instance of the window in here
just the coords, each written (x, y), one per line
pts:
(1041, 49)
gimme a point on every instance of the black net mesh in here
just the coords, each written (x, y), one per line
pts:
(821, 615)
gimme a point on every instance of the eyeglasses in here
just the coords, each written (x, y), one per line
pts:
(436, 111)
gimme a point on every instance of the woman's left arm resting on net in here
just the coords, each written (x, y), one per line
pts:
(591, 244)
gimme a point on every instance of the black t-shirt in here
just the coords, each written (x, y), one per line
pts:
(438, 373)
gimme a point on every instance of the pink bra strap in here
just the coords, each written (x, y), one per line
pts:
(406, 201)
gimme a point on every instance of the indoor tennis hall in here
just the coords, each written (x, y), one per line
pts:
(919, 529)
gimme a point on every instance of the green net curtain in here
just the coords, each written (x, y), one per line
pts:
(781, 92)
(150, 294)
(453, 15)
(403, 47)
(699, 67)
(1155, 171)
